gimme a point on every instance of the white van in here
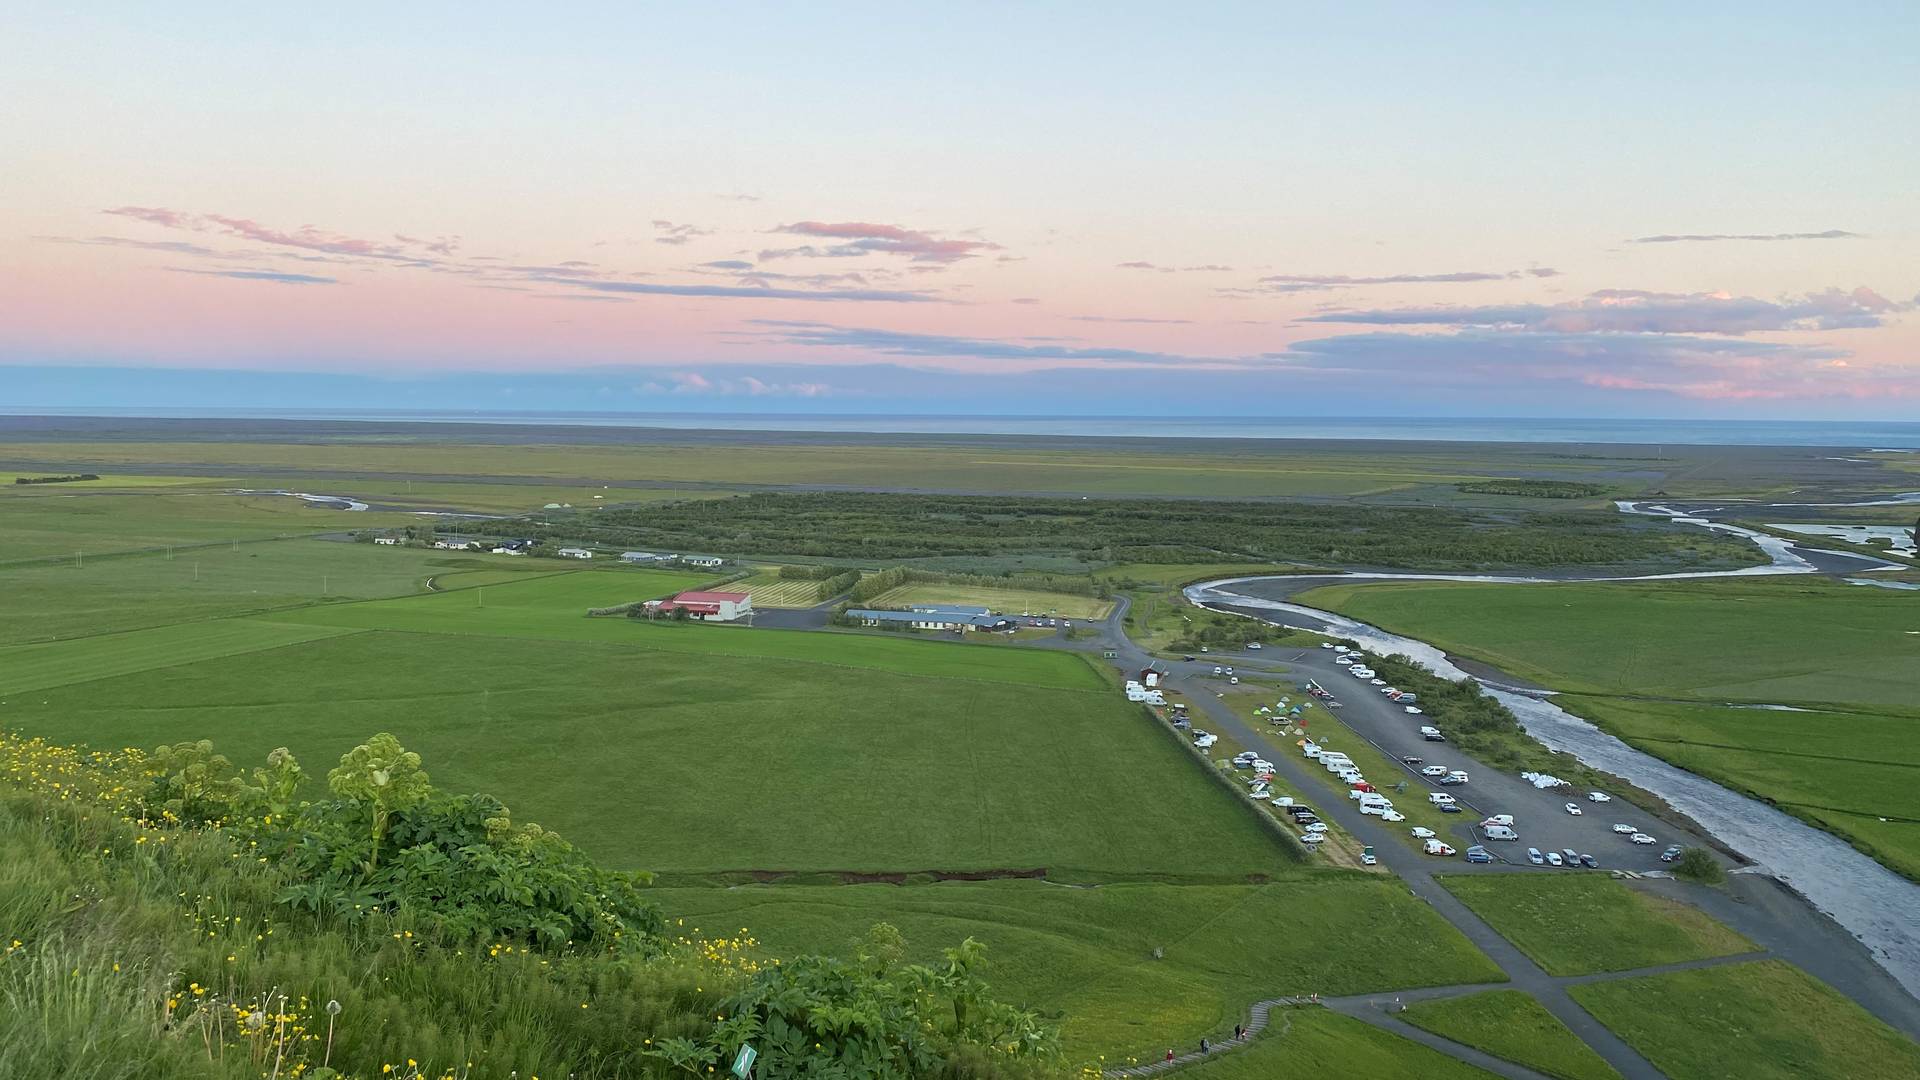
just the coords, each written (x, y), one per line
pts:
(1440, 798)
(1312, 750)
(1501, 832)
(1374, 798)
(1432, 734)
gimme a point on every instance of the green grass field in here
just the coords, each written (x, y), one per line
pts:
(1856, 774)
(1514, 1026)
(1773, 639)
(770, 590)
(552, 609)
(1760, 1021)
(1320, 1044)
(46, 665)
(126, 592)
(107, 481)
(693, 763)
(1088, 953)
(1002, 601)
(55, 524)
(1579, 924)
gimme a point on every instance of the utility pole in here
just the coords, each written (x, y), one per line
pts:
(79, 560)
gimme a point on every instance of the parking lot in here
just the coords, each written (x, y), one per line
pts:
(1540, 816)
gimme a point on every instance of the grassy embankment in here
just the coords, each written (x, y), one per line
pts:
(1761, 1021)
(40, 523)
(1511, 1025)
(1319, 1044)
(1579, 924)
(1658, 663)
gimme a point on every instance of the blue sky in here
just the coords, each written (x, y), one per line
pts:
(1476, 209)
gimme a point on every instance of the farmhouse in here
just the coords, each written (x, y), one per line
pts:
(639, 557)
(574, 553)
(933, 617)
(389, 540)
(708, 561)
(708, 606)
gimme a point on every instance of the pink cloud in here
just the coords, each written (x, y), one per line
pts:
(870, 238)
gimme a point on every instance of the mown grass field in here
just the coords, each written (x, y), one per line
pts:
(126, 592)
(553, 608)
(1088, 953)
(107, 481)
(771, 590)
(1772, 639)
(1761, 1021)
(1321, 1044)
(44, 665)
(1514, 1026)
(1579, 924)
(56, 524)
(695, 763)
(1854, 773)
(1001, 601)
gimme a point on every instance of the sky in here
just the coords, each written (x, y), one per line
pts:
(1477, 209)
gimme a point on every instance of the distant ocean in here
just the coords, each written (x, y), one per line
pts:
(1889, 435)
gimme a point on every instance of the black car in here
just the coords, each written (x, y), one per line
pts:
(1450, 808)
(1589, 862)
(1672, 853)
(1188, 657)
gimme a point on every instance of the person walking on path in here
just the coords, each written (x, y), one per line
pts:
(1204, 1047)
(1169, 1055)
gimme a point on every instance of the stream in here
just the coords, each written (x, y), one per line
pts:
(1875, 905)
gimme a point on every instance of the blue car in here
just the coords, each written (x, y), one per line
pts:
(1476, 853)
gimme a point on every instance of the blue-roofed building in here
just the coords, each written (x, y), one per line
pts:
(931, 617)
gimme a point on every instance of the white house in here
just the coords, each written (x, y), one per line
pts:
(574, 553)
(707, 561)
(388, 540)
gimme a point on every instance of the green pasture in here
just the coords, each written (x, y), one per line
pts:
(698, 763)
(1579, 924)
(50, 523)
(1514, 1026)
(1087, 954)
(1000, 601)
(1856, 774)
(1319, 1044)
(45, 665)
(107, 481)
(554, 609)
(125, 592)
(1761, 1021)
(1769, 639)
(1273, 470)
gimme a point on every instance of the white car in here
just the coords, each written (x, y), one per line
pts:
(1573, 809)
(1599, 796)
(1642, 838)
(1326, 644)
(1553, 858)
(1413, 710)
(1499, 819)
(1317, 827)
(1258, 794)
(1393, 815)
(1344, 660)
(1435, 847)
(1422, 833)
(1434, 770)
(1378, 682)
(1217, 669)
(1624, 830)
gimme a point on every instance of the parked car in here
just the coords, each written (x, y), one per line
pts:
(1421, 832)
(1451, 808)
(1599, 796)
(1367, 857)
(1570, 856)
(1245, 758)
(1435, 847)
(1534, 856)
(1573, 809)
(1642, 838)
(1434, 770)
(1553, 858)
(1439, 798)
(1217, 669)
(1673, 852)
(1499, 819)
(1624, 830)
(1589, 862)
(1414, 760)
(1393, 815)
(1188, 658)
(1326, 644)
(1454, 777)
(1478, 854)
(1253, 645)
(1229, 671)
(1414, 710)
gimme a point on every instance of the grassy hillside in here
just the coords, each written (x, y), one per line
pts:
(1578, 924)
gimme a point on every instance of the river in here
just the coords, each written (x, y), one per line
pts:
(1875, 905)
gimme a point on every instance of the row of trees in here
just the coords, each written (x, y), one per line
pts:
(865, 527)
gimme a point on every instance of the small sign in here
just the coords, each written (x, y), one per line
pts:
(743, 1061)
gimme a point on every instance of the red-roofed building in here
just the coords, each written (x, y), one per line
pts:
(710, 606)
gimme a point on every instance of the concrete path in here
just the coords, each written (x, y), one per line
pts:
(1261, 1013)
